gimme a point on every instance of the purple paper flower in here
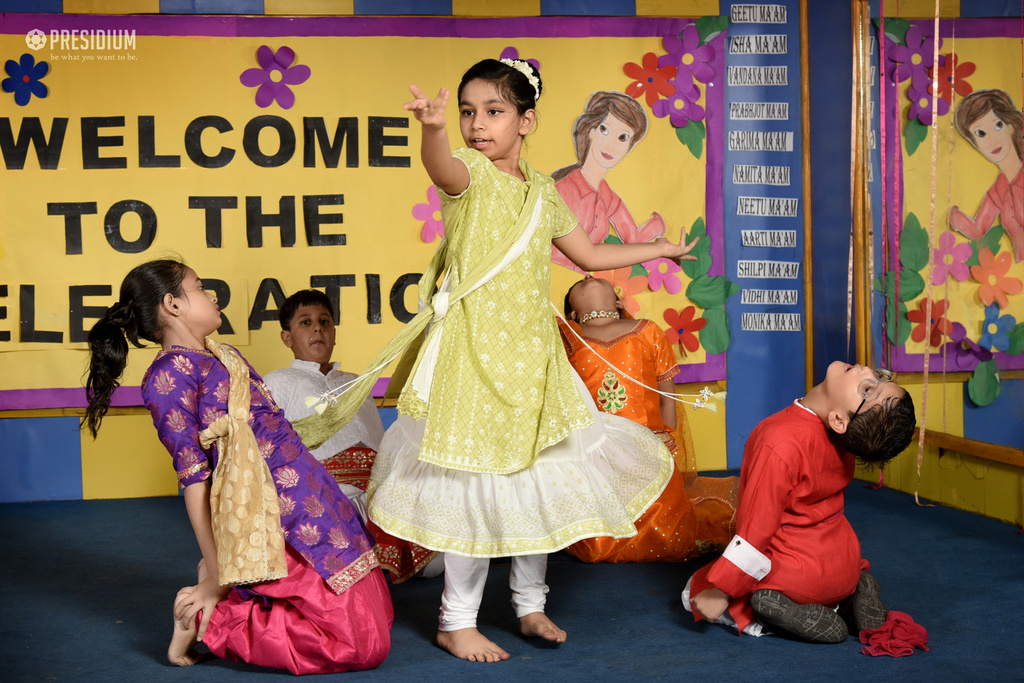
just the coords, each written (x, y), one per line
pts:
(914, 59)
(512, 53)
(25, 79)
(661, 272)
(963, 353)
(691, 59)
(921, 104)
(274, 75)
(949, 259)
(430, 214)
(994, 333)
(681, 107)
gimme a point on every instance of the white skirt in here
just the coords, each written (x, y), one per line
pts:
(596, 482)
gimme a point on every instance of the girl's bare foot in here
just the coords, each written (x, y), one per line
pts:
(538, 624)
(471, 645)
(180, 652)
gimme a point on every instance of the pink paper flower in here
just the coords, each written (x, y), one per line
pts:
(430, 214)
(662, 273)
(949, 259)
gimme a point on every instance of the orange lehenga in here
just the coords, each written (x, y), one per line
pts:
(694, 515)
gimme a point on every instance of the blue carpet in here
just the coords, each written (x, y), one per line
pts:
(86, 589)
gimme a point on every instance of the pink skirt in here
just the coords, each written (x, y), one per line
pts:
(302, 625)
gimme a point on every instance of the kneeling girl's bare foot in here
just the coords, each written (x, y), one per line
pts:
(471, 645)
(538, 624)
(180, 652)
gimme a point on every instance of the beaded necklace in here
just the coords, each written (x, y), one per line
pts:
(586, 317)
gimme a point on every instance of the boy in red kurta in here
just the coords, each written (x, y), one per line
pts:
(795, 555)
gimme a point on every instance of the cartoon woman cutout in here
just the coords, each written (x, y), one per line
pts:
(610, 125)
(991, 122)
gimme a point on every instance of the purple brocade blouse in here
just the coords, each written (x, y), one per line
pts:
(185, 390)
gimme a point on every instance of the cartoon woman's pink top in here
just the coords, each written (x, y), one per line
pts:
(598, 209)
(1003, 198)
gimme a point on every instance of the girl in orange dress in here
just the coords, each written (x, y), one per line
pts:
(694, 515)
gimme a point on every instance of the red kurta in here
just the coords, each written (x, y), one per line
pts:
(792, 487)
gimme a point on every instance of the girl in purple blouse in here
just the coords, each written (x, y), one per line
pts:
(332, 611)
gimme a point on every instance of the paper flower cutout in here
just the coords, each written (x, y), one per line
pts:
(688, 56)
(995, 331)
(274, 75)
(963, 353)
(681, 107)
(934, 328)
(663, 273)
(430, 214)
(951, 76)
(649, 79)
(25, 79)
(995, 283)
(921, 104)
(682, 326)
(950, 259)
(626, 285)
(914, 59)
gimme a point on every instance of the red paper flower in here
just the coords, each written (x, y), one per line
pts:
(991, 273)
(952, 76)
(897, 637)
(650, 80)
(682, 327)
(936, 327)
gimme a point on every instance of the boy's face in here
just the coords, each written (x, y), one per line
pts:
(310, 335)
(847, 385)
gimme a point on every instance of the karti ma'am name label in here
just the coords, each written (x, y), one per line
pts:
(759, 111)
(760, 141)
(785, 297)
(775, 44)
(758, 75)
(747, 174)
(770, 322)
(758, 14)
(766, 206)
(780, 270)
(769, 238)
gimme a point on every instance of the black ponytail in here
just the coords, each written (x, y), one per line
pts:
(134, 317)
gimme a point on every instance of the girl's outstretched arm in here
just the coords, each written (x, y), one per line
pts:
(207, 593)
(447, 172)
(592, 257)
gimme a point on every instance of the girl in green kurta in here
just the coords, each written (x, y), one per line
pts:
(498, 449)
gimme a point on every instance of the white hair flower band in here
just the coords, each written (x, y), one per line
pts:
(525, 69)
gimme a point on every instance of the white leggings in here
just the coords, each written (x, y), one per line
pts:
(464, 579)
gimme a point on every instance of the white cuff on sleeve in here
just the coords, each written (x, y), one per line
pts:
(747, 558)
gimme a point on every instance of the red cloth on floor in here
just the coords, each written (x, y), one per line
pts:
(897, 637)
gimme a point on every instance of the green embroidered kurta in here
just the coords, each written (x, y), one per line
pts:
(502, 387)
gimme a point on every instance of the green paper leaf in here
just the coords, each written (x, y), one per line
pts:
(692, 135)
(700, 267)
(990, 240)
(895, 29)
(915, 133)
(983, 386)
(914, 249)
(1016, 340)
(911, 285)
(709, 292)
(715, 336)
(710, 27)
(897, 334)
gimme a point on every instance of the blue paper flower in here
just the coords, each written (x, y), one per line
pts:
(25, 79)
(996, 328)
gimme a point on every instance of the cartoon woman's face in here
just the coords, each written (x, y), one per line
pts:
(610, 141)
(992, 137)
